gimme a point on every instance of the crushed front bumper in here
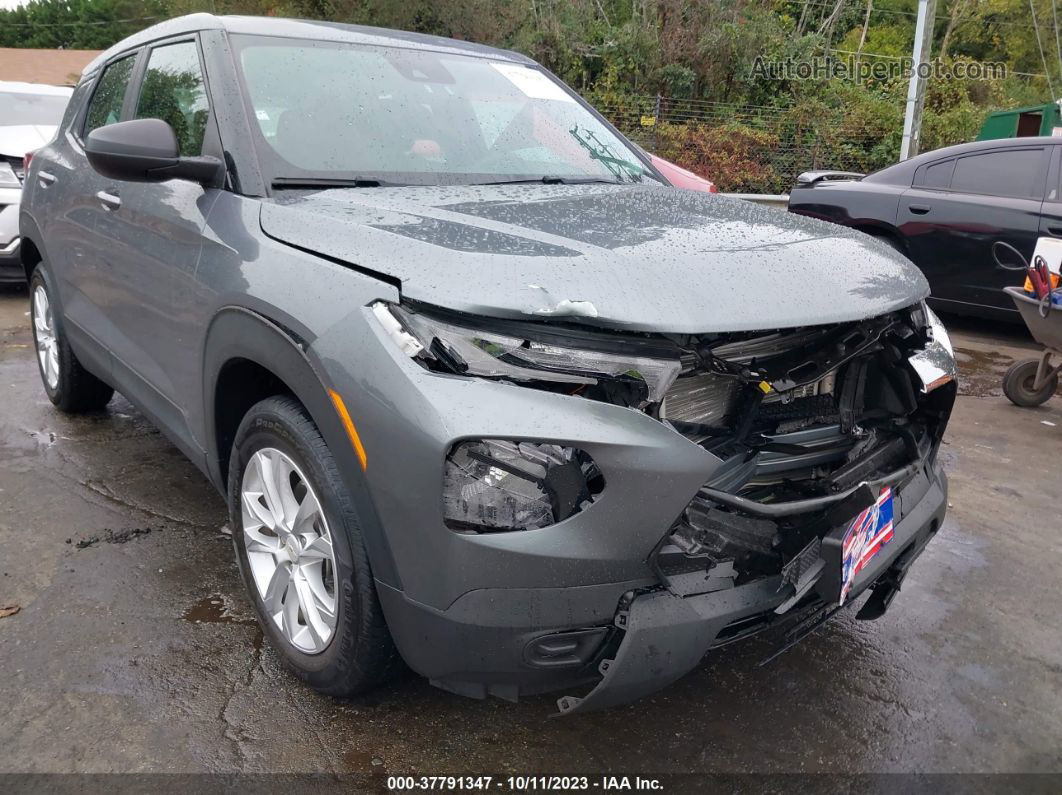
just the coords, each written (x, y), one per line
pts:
(512, 614)
(665, 636)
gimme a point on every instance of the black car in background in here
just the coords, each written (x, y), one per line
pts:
(945, 209)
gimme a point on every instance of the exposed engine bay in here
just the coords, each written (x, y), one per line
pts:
(805, 421)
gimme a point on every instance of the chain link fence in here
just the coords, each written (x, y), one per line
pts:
(754, 148)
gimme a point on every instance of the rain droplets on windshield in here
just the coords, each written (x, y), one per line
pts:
(405, 116)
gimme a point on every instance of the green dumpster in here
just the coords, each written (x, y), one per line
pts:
(1022, 122)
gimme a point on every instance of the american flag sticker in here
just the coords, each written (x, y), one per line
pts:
(865, 537)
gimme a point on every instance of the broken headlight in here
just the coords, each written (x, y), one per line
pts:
(935, 364)
(492, 485)
(492, 354)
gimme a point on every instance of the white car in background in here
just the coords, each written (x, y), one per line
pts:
(29, 116)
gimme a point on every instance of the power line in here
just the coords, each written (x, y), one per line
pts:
(1041, 46)
(1058, 45)
(77, 24)
(912, 14)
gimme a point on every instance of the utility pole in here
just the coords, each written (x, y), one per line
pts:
(916, 89)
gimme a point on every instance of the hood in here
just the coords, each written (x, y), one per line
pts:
(634, 257)
(17, 139)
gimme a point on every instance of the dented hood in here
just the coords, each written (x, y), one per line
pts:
(636, 257)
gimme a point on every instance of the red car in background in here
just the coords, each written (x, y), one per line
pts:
(680, 177)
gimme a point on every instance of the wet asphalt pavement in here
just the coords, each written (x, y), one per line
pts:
(134, 648)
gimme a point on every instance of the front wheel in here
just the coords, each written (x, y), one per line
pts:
(1020, 380)
(299, 546)
(69, 385)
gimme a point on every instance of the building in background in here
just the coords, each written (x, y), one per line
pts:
(55, 67)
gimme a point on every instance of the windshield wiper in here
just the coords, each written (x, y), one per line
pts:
(326, 182)
(550, 179)
(603, 153)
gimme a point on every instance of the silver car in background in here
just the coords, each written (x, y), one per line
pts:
(29, 115)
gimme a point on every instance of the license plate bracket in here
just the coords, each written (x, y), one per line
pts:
(849, 548)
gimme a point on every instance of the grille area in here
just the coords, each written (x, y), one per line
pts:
(710, 399)
(844, 411)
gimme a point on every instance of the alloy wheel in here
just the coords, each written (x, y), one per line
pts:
(289, 550)
(46, 337)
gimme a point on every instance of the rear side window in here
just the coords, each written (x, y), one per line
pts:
(938, 175)
(1017, 173)
(173, 90)
(105, 107)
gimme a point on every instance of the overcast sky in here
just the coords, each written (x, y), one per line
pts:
(10, 3)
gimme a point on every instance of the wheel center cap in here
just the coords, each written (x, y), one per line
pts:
(293, 549)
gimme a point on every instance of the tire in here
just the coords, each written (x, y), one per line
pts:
(70, 387)
(278, 444)
(1018, 384)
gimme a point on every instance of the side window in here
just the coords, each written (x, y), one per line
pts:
(938, 175)
(105, 107)
(1017, 172)
(173, 90)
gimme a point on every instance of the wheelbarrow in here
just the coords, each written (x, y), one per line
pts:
(1030, 382)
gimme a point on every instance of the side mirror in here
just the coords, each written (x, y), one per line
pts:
(145, 150)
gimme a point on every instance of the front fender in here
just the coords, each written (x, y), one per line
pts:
(239, 333)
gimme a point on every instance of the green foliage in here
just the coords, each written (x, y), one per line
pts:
(735, 155)
(697, 55)
(77, 24)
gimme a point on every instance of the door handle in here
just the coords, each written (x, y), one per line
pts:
(110, 201)
(1055, 230)
(919, 209)
(45, 178)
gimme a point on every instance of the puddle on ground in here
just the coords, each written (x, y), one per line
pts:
(357, 760)
(212, 610)
(981, 372)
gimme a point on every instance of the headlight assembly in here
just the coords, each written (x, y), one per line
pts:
(937, 330)
(495, 485)
(636, 380)
(935, 364)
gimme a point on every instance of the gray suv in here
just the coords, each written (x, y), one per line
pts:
(483, 394)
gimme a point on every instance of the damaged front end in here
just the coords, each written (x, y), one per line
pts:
(805, 429)
(811, 426)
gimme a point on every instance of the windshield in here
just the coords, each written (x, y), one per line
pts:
(17, 108)
(341, 111)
